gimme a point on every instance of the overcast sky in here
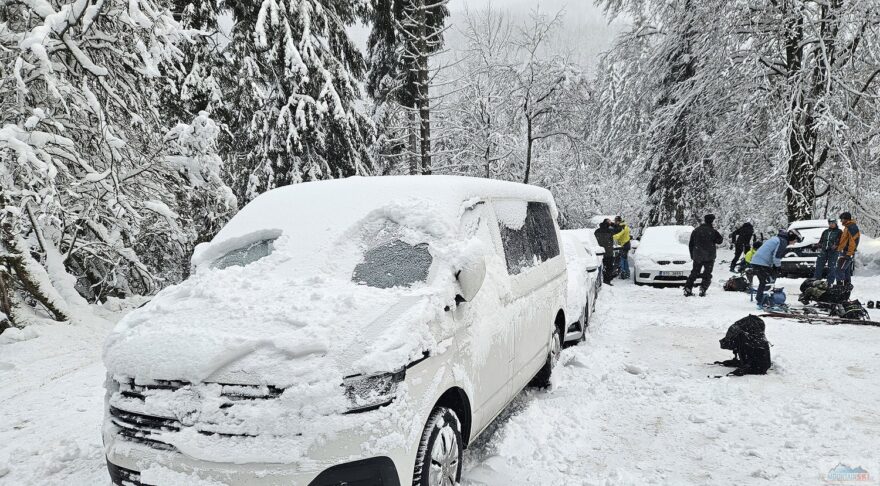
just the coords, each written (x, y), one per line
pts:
(585, 30)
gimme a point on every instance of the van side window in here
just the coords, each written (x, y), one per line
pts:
(527, 234)
(542, 231)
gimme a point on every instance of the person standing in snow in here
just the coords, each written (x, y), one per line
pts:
(622, 238)
(828, 251)
(768, 258)
(704, 248)
(846, 247)
(741, 239)
(605, 238)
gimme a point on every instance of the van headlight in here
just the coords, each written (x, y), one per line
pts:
(369, 392)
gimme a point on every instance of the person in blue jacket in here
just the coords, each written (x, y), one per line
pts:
(768, 258)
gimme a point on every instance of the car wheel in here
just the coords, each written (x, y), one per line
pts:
(542, 379)
(439, 458)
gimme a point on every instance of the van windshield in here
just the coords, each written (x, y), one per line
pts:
(393, 264)
(246, 255)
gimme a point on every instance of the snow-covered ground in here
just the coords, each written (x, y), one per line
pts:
(633, 405)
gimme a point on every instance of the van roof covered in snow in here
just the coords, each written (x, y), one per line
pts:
(322, 210)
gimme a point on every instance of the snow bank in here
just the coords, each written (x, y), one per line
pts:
(868, 256)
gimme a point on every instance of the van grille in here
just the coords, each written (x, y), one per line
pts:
(148, 429)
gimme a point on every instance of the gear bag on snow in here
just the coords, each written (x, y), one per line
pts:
(850, 310)
(750, 347)
(736, 284)
(818, 290)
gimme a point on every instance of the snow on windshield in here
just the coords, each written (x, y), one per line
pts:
(660, 241)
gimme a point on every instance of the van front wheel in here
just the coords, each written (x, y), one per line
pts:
(438, 461)
(542, 379)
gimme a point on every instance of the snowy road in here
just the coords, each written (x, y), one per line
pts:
(631, 406)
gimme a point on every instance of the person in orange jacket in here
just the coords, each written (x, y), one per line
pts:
(849, 242)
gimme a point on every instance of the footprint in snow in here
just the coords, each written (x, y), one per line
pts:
(633, 369)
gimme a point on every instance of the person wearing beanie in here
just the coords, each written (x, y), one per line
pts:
(846, 247)
(703, 246)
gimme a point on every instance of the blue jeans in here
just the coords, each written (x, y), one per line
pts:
(624, 263)
(826, 258)
(844, 273)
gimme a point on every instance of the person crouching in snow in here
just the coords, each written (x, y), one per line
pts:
(849, 242)
(768, 258)
(622, 238)
(704, 248)
(747, 260)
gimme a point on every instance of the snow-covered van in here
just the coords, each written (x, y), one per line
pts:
(356, 331)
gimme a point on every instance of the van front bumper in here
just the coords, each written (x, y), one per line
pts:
(134, 464)
(377, 471)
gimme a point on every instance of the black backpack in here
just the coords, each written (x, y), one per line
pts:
(850, 310)
(750, 347)
(818, 290)
(736, 284)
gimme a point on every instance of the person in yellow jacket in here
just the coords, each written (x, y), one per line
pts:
(752, 251)
(622, 239)
(846, 247)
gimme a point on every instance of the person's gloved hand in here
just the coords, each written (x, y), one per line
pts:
(731, 246)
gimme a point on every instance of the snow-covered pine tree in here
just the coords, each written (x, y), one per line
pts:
(294, 107)
(405, 35)
(88, 196)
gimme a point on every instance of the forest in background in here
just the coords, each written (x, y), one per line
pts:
(132, 130)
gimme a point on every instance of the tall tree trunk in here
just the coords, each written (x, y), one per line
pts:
(414, 157)
(800, 190)
(530, 142)
(6, 319)
(424, 101)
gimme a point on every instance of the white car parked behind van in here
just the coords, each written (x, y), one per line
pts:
(357, 331)
(663, 256)
(583, 286)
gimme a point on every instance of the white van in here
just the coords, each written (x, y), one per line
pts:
(356, 331)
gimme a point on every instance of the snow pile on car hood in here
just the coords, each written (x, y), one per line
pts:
(665, 243)
(290, 315)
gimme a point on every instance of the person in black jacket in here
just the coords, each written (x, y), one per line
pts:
(742, 241)
(828, 251)
(605, 238)
(703, 247)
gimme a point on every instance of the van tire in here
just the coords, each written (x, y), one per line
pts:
(442, 447)
(542, 379)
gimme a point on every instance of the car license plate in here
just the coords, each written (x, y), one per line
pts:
(672, 274)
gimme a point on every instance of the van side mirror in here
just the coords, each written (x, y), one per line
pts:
(470, 279)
